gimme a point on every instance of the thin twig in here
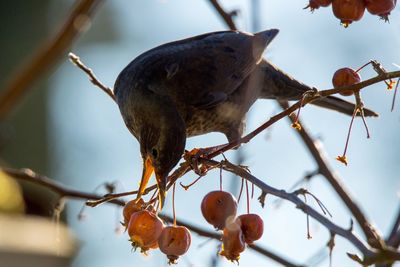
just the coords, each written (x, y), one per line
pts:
(47, 55)
(227, 18)
(77, 61)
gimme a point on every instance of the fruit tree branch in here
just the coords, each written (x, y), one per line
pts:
(318, 153)
(64, 192)
(371, 256)
(227, 18)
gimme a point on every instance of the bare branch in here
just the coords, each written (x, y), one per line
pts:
(77, 61)
(47, 55)
(318, 154)
(224, 15)
(394, 235)
(371, 256)
(30, 176)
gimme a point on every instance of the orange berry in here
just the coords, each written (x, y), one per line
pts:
(217, 207)
(233, 242)
(144, 229)
(345, 77)
(381, 8)
(174, 241)
(252, 227)
(348, 10)
(130, 208)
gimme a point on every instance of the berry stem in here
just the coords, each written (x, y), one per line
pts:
(247, 197)
(308, 221)
(252, 190)
(241, 190)
(186, 187)
(349, 132)
(173, 204)
(296, 123)
(360, 108)
(394, 95)
(220, 178)
(363, 66)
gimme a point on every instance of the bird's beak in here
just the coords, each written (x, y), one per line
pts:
(147, 172)
(162, 189)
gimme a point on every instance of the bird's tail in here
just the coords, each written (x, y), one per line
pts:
(279, 85)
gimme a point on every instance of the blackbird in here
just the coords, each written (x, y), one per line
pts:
(198, 85)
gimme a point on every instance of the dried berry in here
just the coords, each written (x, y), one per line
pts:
(233, 242)
(345, 77)
(217, 207)
(174, 241)
(252, 227)
(144, 229)
(348, 10)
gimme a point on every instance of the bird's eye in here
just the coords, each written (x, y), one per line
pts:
(154, 152)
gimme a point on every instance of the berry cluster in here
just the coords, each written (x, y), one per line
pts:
(219, 208)
(147, 231)
(353, 10)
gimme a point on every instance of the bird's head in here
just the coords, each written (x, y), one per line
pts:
(162, 138)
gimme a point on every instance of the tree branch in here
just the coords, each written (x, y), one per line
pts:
(46, 56)
(63, 192)
(371, 256)
(77, 62)
(318, 153)
(394, 235)
(227, 18)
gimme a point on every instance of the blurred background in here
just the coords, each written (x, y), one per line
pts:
(69, 130)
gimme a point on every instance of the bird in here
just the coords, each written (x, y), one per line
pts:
(194, 86)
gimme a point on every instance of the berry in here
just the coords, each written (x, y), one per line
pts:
(144, 229)
(233, 242)
(345, 77)
(130, 208)
(217, 207)
(174, 241)
(252, 227)
(381, 8)
(348, 10)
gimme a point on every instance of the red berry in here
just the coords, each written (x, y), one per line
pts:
(144, 229)
(380, 7)
(348, 10)
(174, 241)
(130, 208)
(217, 207)
(232, 242)
(345, 77)
(252, 227)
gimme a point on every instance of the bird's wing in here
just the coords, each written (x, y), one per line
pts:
(204, 70)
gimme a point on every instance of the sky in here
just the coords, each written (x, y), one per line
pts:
(91, 145)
